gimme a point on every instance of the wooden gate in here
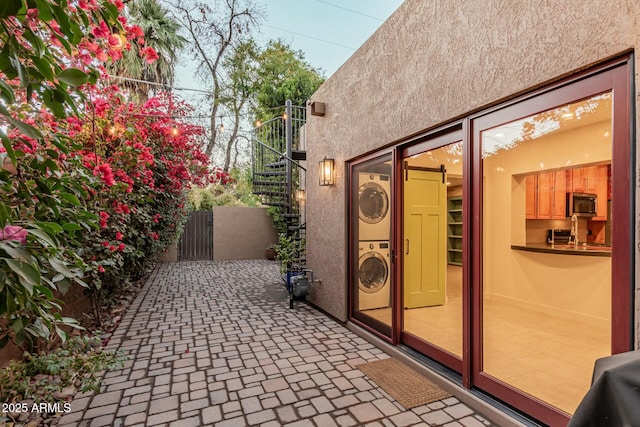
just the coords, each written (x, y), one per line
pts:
(196, 242)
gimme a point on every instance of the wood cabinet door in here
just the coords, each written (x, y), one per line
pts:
(531, 181)
(559, 210)
(545, 195)
(592, 179)
(578, 180)
(601, 188)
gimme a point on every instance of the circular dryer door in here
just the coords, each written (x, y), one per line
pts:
(373, 202)
(373, 272)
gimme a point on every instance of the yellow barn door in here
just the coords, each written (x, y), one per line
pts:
(425, 240)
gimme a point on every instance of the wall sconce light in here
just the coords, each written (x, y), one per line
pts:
(317, 108)
(327, 171)
(301, 196)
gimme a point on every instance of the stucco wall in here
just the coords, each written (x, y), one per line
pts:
(433, 61)
(241, 233)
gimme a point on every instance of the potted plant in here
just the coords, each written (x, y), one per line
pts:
(270, 253)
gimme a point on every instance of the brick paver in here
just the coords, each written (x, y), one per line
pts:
(214, 343)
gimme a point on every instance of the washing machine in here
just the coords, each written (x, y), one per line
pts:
(374, 275)
(374, 212)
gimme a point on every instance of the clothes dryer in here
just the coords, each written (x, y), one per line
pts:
(374, 275)
(374, 193)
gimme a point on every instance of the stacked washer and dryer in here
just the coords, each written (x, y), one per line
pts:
(374, 263)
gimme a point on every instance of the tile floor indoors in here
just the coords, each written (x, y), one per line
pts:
(214, 343)
(547, 356)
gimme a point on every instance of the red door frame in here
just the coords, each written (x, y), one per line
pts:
(615, 77)
(368, 324)
(431, 141)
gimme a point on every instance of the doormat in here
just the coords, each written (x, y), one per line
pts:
(408, 387)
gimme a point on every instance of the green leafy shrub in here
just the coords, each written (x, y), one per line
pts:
(77, 366)
(92, 187)
(278, 220)
(288, 250)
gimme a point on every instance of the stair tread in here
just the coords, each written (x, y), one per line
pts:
(279, 164)
(271, 173)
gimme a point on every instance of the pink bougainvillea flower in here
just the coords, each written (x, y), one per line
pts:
(149, 54)
(119, 4)
(103, 219)
(100, 269)
(119, 236)
(14, 233)
(121, 247)
(105, 172)
(135, 32)
(102, 56)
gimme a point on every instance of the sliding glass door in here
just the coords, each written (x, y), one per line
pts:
(501, 247)
(432, 179)
(553, 243)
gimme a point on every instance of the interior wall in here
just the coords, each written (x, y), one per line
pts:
(576, 285)
(429, 63)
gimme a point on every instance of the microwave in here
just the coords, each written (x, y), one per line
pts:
(582, 204)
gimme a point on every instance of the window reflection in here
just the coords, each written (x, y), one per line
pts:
(565, 118)
(547, 306)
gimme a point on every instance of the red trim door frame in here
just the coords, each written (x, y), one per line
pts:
(613, 78)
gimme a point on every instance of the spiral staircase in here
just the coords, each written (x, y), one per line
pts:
(279, 174)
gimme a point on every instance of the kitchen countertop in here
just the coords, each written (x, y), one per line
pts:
(564, 249)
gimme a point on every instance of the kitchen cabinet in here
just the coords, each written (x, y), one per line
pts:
(601, 188)
(546, 192)
(546, 195)
(454, 230)
(585, 180)
(595, 180)
(559, 209)
(578, 182)
(531, 181)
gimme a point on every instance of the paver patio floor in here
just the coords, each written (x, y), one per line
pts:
(215, 343)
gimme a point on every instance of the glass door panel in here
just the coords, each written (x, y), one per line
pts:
(432, 253)
(371, 207)
(546, 261)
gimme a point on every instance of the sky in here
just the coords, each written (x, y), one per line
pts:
(325, 30)
(328, 32)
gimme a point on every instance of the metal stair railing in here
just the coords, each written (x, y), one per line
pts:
(277, 174)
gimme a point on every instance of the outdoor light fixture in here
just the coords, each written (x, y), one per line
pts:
(327, 171)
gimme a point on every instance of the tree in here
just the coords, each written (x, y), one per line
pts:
(162, 33)
(260, 80)
(239, 91)
(215, 29)
(283, 73)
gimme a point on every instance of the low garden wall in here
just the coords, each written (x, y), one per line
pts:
(238, 233)
(242, 233)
